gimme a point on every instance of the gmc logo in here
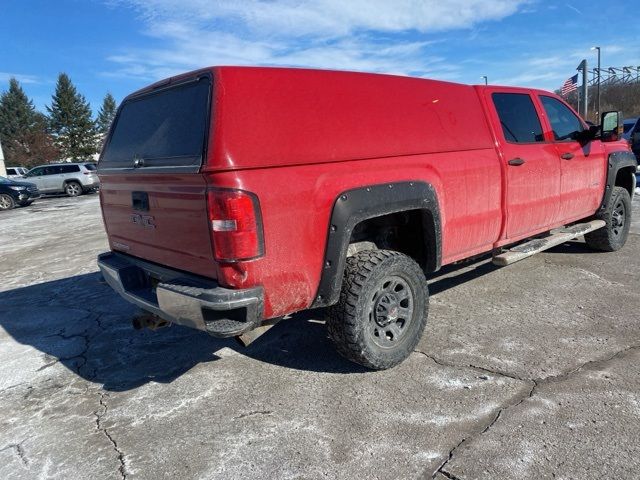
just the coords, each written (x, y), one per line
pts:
(145, 221)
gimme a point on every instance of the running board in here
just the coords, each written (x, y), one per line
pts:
(537, 245)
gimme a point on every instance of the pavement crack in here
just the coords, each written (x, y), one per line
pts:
(450, 475)
(517, 401)
(590, 363)
(122, 469)
(534, 384)
(475, 367)
(18, 449)
(253, 413)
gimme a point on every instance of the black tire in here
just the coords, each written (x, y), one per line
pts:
(617, 217)
(377, 323)
(73, 189)
(6, 202)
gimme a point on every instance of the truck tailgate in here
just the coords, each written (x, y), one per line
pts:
(159, 217)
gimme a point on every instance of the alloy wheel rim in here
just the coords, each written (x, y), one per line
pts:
(390, 311)
(4, 202)
(618, 218)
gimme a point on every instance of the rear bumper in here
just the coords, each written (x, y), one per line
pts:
(182, 298)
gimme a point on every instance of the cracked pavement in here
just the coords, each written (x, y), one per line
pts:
(528, 371)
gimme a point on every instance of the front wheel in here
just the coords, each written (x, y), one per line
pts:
(6, 202)
(382, 310)
(73, 189)
(617, 217)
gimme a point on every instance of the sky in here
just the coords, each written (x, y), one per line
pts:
(119, 46)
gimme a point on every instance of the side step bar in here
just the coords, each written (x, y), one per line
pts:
(537, 245)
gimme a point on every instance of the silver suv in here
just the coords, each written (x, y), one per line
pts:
(71, 178)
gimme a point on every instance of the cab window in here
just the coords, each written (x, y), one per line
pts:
(69, 168)
(564, 123)
(518, 117)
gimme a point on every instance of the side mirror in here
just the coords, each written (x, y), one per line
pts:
(611, 125)
(585, 136)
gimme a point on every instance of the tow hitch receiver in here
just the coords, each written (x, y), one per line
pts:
(147, 320)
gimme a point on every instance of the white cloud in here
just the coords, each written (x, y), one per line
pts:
(366, 35)
(22, 78)
(333, 17)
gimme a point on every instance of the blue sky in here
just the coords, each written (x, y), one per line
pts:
(122, 45)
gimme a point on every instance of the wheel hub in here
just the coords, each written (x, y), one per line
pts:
(386, 309)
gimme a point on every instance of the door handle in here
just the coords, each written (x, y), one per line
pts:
(516, 162)
(567, 156)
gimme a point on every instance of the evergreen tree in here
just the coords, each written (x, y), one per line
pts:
(106, 114)
(23, 130)
(70, 121)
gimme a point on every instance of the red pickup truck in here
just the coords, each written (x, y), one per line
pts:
(233, 196)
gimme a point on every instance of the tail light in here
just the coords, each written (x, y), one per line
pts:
(236, 225)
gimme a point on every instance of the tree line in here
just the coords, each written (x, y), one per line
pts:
(67, 131)
(624, 97)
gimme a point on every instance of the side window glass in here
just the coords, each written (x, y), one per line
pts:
(518, 117)
(36, 172)
(565, 124)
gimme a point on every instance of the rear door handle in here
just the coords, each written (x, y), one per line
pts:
(567, 156)
(516, 162)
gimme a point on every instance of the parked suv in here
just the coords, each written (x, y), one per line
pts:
(13, 192)
(235, 196)
(632, 134)
(71, 178)
(16, 172)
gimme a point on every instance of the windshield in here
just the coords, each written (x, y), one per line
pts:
(627, 126)
(163, 129)
(90, 166)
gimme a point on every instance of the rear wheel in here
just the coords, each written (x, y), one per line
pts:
(617, 217)
(73, 189)
(6, 202)
(382, 310)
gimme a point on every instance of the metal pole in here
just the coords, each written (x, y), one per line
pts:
(486, 81)
(598, 87)
(585, 90)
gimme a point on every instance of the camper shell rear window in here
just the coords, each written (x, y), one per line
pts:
(161, 130)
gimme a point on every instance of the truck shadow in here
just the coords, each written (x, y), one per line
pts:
(80, 323)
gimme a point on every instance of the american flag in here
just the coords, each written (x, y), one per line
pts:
(570, 85)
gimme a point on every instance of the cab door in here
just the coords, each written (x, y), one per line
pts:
(36, 175)
(582, 164)
(52, 178)
(530, 164)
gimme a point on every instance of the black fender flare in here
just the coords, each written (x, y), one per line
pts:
(616, 162)
(356, 205)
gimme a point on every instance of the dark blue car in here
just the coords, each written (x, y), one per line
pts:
(13, 192)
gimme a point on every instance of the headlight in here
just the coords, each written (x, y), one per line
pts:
(18, 188)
